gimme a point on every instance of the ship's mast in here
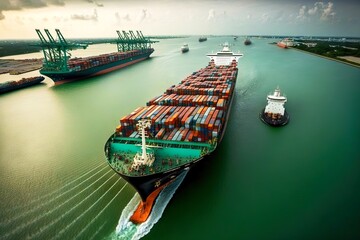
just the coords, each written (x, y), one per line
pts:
(143, 158)
(56, 52)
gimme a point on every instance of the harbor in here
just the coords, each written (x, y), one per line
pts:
(306, 182)
(16, 67)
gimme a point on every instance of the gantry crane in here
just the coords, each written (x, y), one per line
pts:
(56, 52)
(131, 41)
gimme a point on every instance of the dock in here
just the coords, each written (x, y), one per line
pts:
(16, 67)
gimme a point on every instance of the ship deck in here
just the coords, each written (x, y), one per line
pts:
(169, 155)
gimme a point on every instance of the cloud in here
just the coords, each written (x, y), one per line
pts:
(279, 16)
(7, 5)
(119, 18)
(57, 2)
(265, 17)
(328, 12)
(143, 15)
(95, 2)
(319, 11)
(21, 4)
(214, 16)
(211, 15)
(127, 17)
(302, 13)
(314, 10)
(86, 17)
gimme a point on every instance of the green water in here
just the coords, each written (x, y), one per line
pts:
(301, 181)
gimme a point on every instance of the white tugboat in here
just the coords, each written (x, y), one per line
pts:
(274, 113)
(184, 48)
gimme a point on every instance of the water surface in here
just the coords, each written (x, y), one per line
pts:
(300, 181)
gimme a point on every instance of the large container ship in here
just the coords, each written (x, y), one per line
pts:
(22, 83)
(155, 143)
(60, 67)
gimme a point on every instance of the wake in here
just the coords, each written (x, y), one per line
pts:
(127, 230)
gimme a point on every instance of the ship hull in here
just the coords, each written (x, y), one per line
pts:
(283, 120)
(145, 185)
(23, 85)
(62, 77)
(282, 45)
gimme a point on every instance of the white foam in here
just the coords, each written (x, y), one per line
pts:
(127, 230)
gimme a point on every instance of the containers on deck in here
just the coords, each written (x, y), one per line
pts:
(80, 64)
(193, 110)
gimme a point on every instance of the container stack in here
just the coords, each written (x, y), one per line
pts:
(80, 64)
(194, 110)
(12, 85)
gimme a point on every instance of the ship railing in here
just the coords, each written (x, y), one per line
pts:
(163, 143)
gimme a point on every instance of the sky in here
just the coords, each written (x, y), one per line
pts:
(101, 18)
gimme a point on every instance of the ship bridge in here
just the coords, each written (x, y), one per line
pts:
(225, 56)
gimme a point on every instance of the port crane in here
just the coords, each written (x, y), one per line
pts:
(131, 41)
(56, 52)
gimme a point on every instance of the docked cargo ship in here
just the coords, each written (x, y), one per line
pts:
(22, 83)
(60, 67)
(285, 43)
(157, 142)
(275, 113)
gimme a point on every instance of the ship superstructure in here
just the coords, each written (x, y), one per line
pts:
(155, 143)
(224, 57)
(274, 112)
(184, 48)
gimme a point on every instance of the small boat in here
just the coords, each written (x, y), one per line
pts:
(247, 41)
(202, 39)
(185, 48)
(274, 113)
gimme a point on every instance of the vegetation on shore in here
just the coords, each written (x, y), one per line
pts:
(331, 49)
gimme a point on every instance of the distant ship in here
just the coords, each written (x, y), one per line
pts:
(274, 113)
(154, 144)
(22, 83)
(202, 39)
(184, 48)
(285, 43)
(60, 67)
(247, 41)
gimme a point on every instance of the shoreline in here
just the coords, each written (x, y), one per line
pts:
(18, 67)
(329, 58)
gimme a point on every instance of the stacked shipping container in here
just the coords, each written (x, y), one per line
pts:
(194, 110)
(80, 64)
